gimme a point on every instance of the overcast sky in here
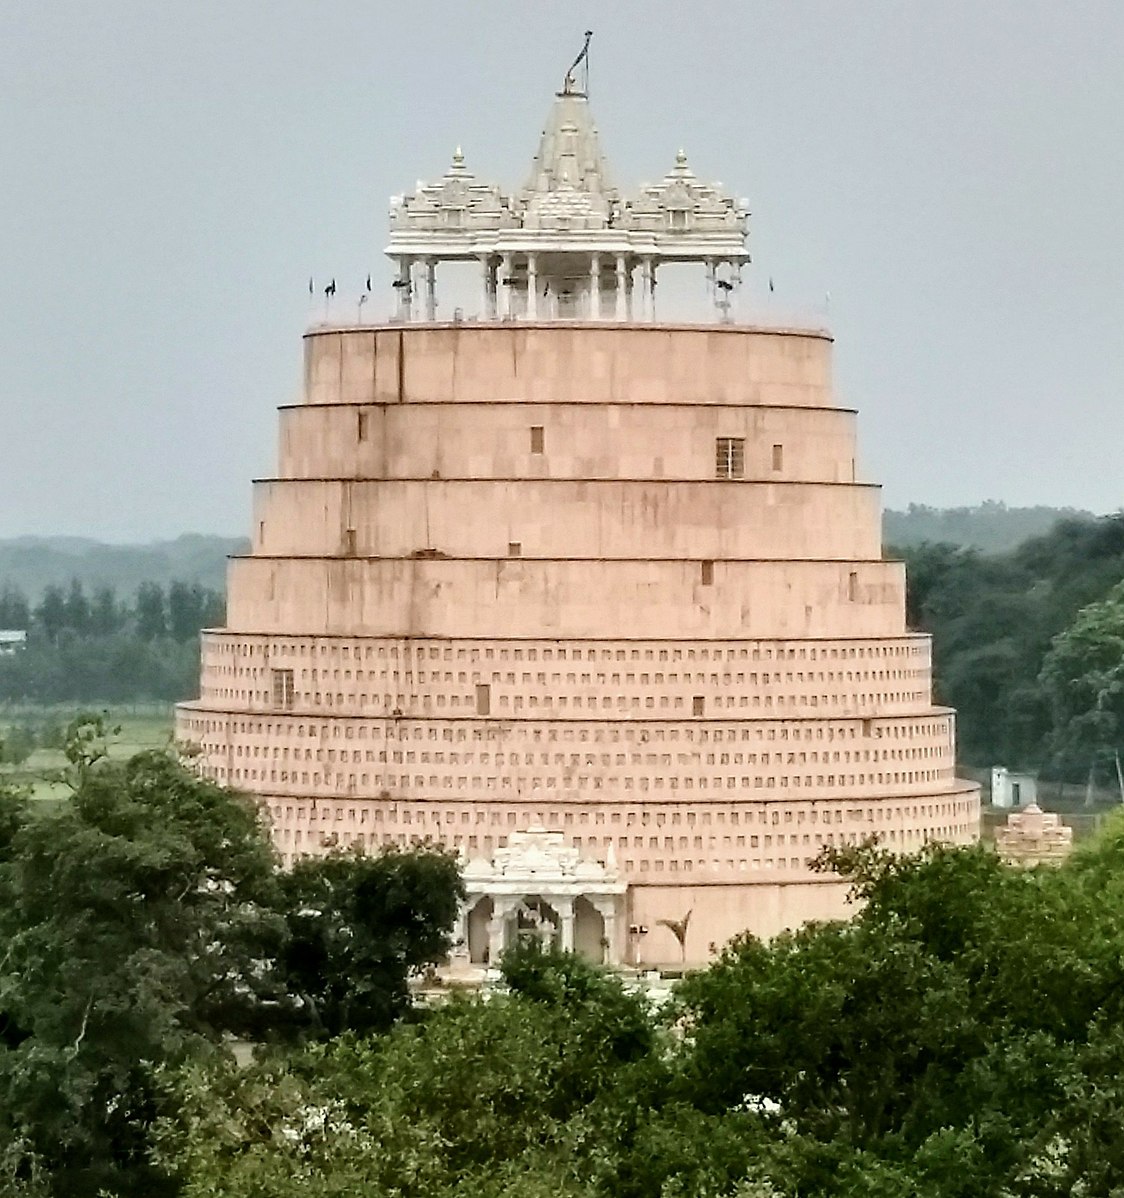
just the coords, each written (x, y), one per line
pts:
(172, 172)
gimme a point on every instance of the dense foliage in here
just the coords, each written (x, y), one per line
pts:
(994, 620)
(96, 647)
(962, 1037)
(142, 924)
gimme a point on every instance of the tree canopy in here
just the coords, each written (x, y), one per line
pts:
(143, 923)
(994, 619)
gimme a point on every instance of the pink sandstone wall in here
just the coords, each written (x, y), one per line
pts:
(497, 584)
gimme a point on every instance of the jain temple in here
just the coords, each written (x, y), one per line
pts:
(594, 599)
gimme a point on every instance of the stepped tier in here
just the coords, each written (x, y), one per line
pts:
(619, 582)
(575, 363)
(605, 441)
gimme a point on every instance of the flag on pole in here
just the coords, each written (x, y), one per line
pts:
(368, 282)
(311, 289)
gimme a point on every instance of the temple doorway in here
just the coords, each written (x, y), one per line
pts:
(479, 917)
(589, 931)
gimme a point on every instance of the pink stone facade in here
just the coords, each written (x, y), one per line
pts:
(613, 580)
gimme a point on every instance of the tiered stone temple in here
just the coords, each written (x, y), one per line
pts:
(598, 602)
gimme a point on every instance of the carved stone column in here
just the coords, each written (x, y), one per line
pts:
(645, 288)
(622, 284)
(565, 908)
(497, 928)
(405, 287)
(595, 287)
(504, 292)
(431, 288)
(606, 907)
(462, 950)
(532, 286)
(488, 266)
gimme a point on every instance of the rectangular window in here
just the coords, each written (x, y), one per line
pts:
(853, 586)
(361, 426)
(778, 457)
(283, 688)
(537, 438)
(483, 698)
(698, 704)
(707, 574)
(729, 457)
(349, 543)
(514, 549)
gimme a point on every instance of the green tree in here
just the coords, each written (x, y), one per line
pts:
(358, 927)
(77, 608)
(50, 614)
(185, 611)
(17, 744)
(15, 611)
(136, 924)
(106, 616)
(936, 1032)
(149, 612)
(1083, 676)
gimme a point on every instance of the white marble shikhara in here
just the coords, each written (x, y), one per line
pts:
(568, 244)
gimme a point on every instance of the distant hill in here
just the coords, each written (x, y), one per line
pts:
(990, 527)
(34, 563)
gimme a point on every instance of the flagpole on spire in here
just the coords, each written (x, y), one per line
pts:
(583, 57)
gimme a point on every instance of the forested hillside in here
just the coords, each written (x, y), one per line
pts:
(994, 618)
(31, 564)
(990, 527)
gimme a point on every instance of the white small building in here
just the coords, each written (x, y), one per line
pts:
(540, 887)
(1009, 789)
(12, 640)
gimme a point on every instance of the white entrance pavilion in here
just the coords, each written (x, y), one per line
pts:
(538, 887)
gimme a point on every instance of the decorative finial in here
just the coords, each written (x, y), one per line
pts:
(681, 157)
(568, 82)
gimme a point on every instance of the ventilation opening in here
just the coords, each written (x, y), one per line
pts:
(361, 426)
(538, 438)
(778, 457)
(483, 699)
(514, 549)
(698, 705)
(729, 457)
(707, 574)
(283, 689)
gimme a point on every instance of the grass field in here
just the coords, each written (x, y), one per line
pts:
(149, 727)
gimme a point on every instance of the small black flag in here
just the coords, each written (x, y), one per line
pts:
(311, 290)
(770, 284)
(331, 288)
(368, 282)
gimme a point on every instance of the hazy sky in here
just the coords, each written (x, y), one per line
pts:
(171, 172)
